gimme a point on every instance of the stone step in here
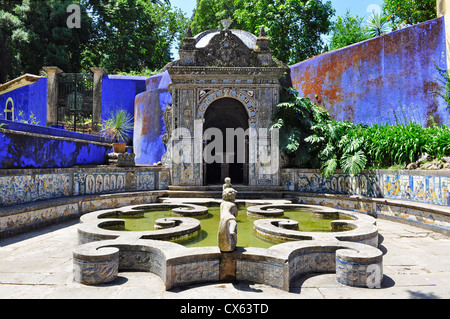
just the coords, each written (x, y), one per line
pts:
(218, 194)
(218, 188)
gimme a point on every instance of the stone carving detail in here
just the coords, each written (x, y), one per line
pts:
(227, 236)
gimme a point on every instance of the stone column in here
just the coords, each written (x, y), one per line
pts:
(52, 94)
(97, 100)
(443, 7)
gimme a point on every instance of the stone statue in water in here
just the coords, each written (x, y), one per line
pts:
(227, 236)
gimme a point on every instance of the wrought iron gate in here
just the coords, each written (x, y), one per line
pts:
(75, 101)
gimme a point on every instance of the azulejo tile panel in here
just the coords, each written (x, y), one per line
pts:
(417, 188)
(146, 181)
(18, 189)
(409, 186)
(34, 185)
(339, 183)
(98, 183)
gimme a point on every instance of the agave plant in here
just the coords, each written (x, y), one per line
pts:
(118, 126)
(378, 24)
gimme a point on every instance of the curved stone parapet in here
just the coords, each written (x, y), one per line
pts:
(95, 227)
(190, 211)
(361, 228)
(360, 268)
(265, 211)
(94, 265)
(355, 264)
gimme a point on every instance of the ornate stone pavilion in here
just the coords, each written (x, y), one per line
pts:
(224, 79)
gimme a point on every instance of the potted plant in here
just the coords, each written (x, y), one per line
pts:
(118, 127)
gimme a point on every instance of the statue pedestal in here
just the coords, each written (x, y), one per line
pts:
(227, 267)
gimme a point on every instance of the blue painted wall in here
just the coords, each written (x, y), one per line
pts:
(30, 99)
(388, 78)
(149, 120)
(119, 93)
(49, 149)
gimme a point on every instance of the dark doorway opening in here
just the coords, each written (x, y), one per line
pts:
(229, 117)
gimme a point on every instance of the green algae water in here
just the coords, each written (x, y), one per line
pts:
(308, 222)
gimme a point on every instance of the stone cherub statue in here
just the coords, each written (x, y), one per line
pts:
(227, 237)
(227, 183)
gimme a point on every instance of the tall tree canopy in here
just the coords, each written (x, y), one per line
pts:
(125, 35)
(132, 35)
(348, 30)
(409, 11)
(35, 33)
(295, 27)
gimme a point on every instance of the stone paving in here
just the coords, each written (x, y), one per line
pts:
(39, 265)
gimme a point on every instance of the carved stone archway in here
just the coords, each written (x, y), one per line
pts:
(215, 65)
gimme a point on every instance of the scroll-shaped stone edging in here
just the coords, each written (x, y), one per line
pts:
(355, 264)
(362, 228)
(92, 226)
(95, 266)
(363, 268)
(272, 210)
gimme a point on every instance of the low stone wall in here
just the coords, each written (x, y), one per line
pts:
(353, 263)
(31, 146)
(419, 197)
(431, 217)
(32, 198)
(23, 186)
(429, 187)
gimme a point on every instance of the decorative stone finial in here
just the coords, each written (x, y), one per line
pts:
(189, 41)
(226, 23)
(262, 32)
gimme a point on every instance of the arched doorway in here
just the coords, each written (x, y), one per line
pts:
(225, 142)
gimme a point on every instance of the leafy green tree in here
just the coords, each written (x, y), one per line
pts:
(34, 33)
(410, 11)
(131, 35)
(209, 13)
(348, 30)
(294, 27)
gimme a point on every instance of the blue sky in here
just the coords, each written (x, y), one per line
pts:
(362, 8)
(356, 7)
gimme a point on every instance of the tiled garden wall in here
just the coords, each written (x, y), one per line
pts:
(32, 198)
(421, 198)
(429, 187)
(27, 186)
(385, 79)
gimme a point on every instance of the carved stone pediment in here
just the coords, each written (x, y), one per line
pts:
(226, 50)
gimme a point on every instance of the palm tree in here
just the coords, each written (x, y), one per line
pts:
(378, 24)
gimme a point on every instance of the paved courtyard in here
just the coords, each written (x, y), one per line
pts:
(39, 265)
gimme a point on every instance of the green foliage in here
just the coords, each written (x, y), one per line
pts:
(294, 27)
(209, 13)
(308, 134)
(34, 33)
(348, 30)
(133, 35)
(295, 120)
(124, 35)
(445, 80)
(409, 12)
(378, 24)
(118, 126)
